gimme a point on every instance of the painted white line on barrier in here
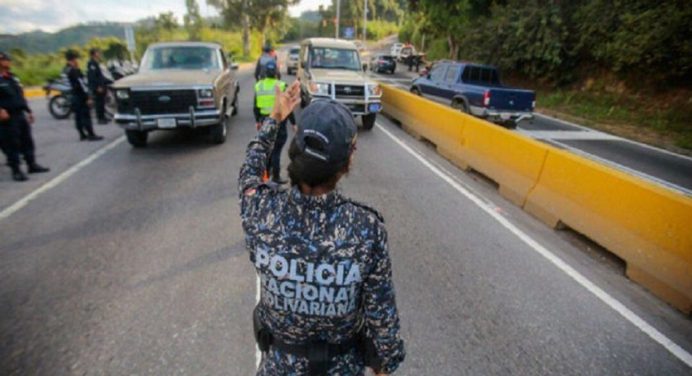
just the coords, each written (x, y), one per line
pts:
(613, 303)
(5, 213)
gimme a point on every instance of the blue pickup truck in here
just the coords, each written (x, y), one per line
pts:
(476, 89)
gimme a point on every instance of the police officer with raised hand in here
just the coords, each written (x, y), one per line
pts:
(265, 98)
(98, 84)
(327, 302)
(81, 101)
(15, 123)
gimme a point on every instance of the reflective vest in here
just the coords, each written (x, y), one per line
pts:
(264, 90)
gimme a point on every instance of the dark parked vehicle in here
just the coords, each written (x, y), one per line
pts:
(383, 63)
(476, 89)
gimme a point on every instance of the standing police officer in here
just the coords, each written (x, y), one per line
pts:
(98, 84)
(15, 123)
(80, 98)
(265, 98)
(268, 55)
(327, 303)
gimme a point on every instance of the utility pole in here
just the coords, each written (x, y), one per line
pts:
(338, 14)
(365, 22)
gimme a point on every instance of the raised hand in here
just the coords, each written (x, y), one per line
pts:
(286, 102)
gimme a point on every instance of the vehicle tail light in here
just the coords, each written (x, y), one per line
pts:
(486, 98)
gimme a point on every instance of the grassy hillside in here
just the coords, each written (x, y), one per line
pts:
(40, 42)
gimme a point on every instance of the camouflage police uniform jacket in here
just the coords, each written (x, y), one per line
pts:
(324, 269)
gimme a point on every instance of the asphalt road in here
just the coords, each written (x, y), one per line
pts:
(665, 168)
(135, 264)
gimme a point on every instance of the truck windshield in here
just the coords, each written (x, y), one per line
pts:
(179, 57)
(334, 58)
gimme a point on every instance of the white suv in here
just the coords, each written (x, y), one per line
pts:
(331, 68)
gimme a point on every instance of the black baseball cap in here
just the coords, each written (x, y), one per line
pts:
(5, 56)
(326, 131)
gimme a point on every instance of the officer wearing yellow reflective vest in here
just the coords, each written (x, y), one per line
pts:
(265, 96)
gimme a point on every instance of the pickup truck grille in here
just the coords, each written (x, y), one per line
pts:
(350, 91)
(154, 102)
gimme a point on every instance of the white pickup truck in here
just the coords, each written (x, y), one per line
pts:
(332, 68)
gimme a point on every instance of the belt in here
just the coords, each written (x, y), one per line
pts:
(304, 350)
(319, 354)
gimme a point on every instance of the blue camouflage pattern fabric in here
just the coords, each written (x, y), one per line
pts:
(324, 269)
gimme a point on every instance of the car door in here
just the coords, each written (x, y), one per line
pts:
(430, 86)
(451, 78)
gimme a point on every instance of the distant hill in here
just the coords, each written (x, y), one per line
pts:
(43, 42)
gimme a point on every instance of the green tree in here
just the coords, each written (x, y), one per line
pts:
(193, 19)
(166, 21)
(260, 15)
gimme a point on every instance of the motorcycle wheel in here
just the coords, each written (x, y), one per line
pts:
(59, 107)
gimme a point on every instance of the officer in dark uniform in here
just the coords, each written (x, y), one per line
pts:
(265, 98)
(15, 123)
(327, 303)
(80, 98)
(268, 54)
(98, 84)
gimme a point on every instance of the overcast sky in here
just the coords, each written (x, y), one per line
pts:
(17, 16)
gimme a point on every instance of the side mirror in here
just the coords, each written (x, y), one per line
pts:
(365, 67)
(234, 66)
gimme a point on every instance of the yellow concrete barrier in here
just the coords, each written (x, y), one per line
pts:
(513, 161)
(34, 92)
(648, 226)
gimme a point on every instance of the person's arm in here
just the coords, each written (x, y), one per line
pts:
(255, 109)
(93, 77)
(381, 316)
(257, 69)
(292, 119)
(260, 148)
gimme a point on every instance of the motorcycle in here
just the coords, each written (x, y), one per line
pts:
(60, 104)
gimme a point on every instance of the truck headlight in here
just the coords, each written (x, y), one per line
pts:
(205, 93)
(374, 90)
(319, 88)
(122, 94)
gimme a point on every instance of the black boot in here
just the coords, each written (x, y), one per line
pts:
(35, 168)
(94, 137)
(18, 175)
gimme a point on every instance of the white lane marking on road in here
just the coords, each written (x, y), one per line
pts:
(5, 213)
(258, 354)
(613, 303)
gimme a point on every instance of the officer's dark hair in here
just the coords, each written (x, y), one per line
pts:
(313, 172)
(71, 55)
(93, 51)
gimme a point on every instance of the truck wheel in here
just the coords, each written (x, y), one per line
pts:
(369, 121)
(509, 124)
(137, 139)
(415, 91)
(460, 105)
(219, 131)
